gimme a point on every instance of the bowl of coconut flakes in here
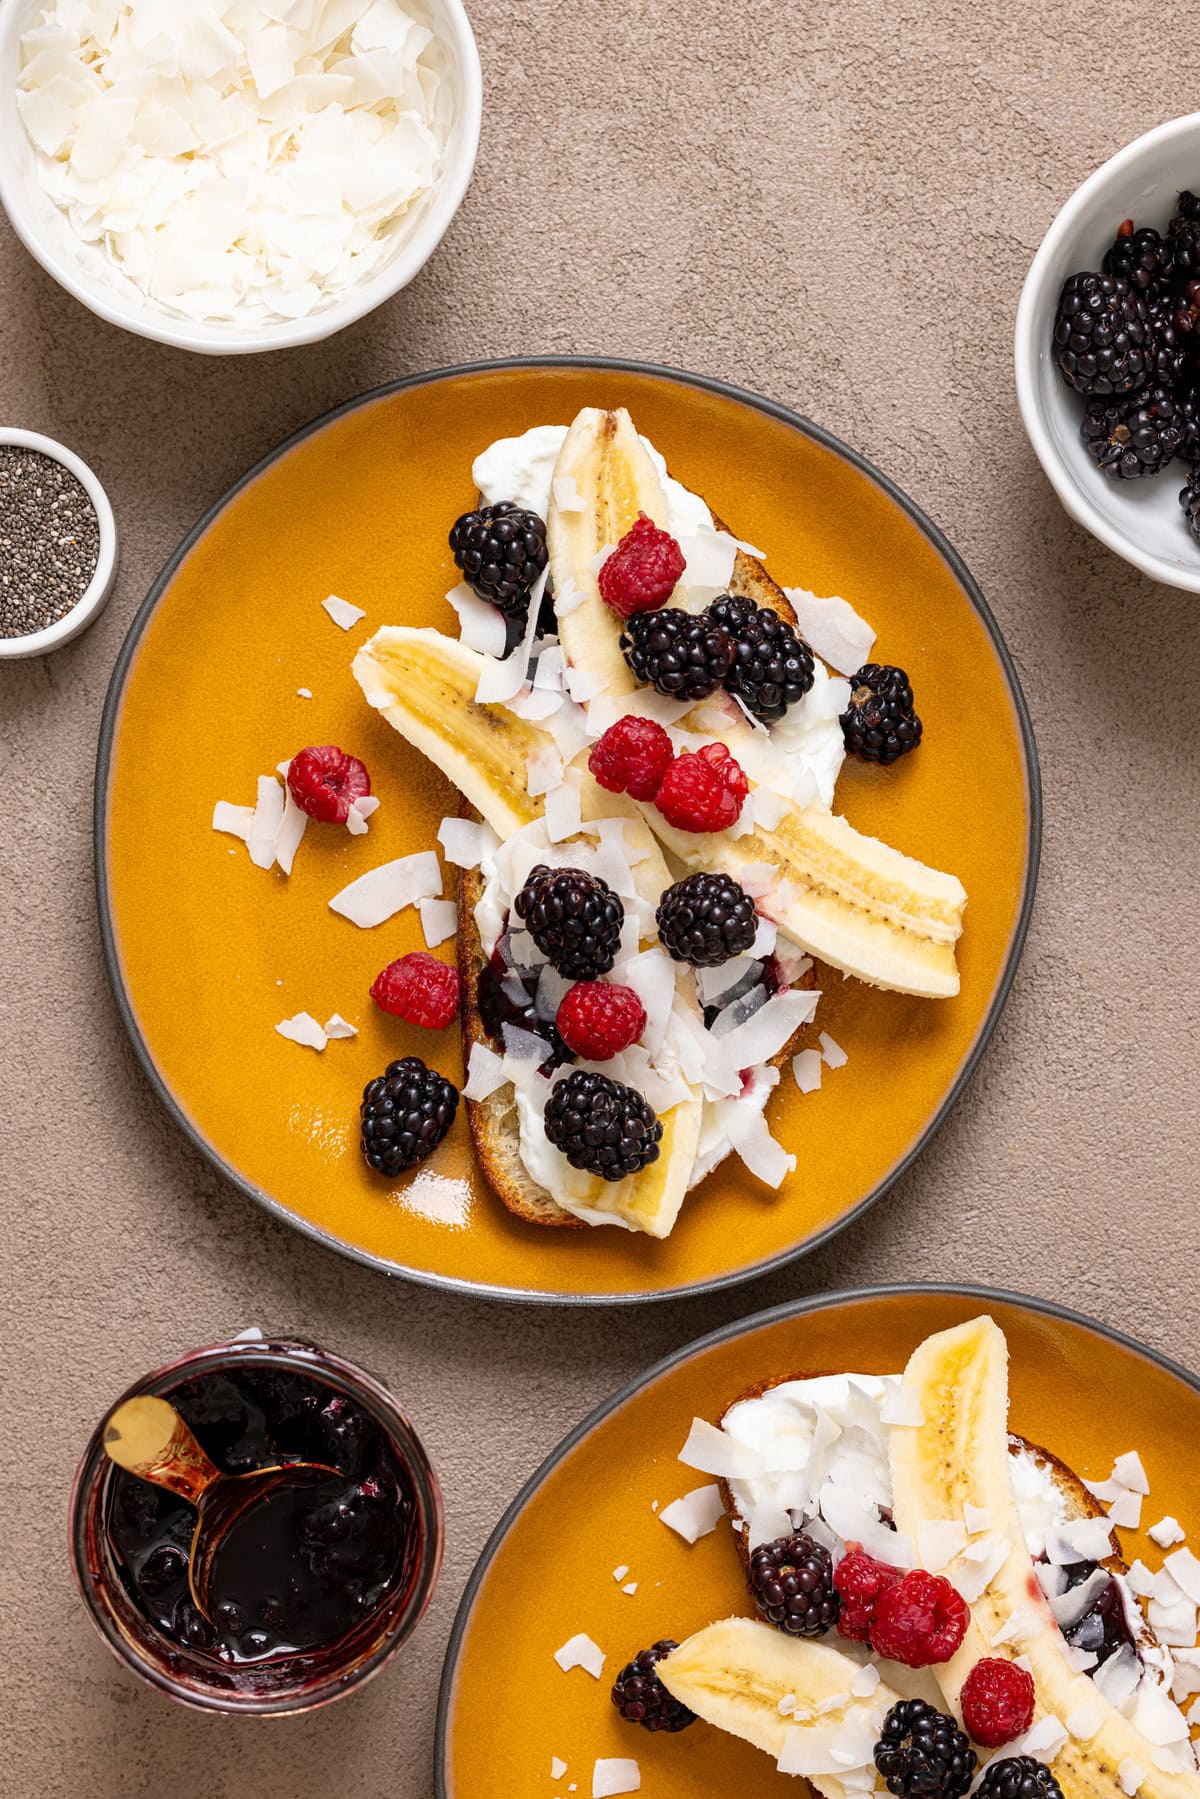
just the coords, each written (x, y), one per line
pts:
(230, 176)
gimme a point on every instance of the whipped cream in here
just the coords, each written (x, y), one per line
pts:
(818, 1448)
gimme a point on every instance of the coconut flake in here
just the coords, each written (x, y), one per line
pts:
(834, 1055)
(1126, 1510)
(620, 1573)
(485, 1072)
(467, 842)
(614, 1774)
(1043, 1740)
(382, 892)
(292, 826)
(1129, 1471)
(1076, 1602)
(712, 1451)
(981, 1563)
(747, 1129)
(480, 626)
(360, 811)
(1157, 1716)
(342, 612)
(1086, 1719)
(939, 1540)
(263, 832)
(562, 814)
(543, 770)
(695, 1515)
(1082, 1540)
(630, 1588)
(857, 1520)
(303, 1029)
(1141, 1580)
(806, 1068)
(439, 920)
(978, 1518)
(338, 1028)
(1185, 1572)
(902, 1405)
(1131, 1775)
(1023, 1623)
(581, 1652)
(833, 628)
(865, 1681)
(1117, 1678)
(234, 821)
(1168, 1530)
(651, 974)
(304, 693)
(566, 494)
(558, 1767)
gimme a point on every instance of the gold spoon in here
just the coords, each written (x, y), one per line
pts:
(147, 1437)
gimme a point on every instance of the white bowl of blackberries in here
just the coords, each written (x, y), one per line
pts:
(1108, 354)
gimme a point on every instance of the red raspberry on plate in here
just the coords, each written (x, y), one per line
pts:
(598, 1020)
(420, 989)
(997, 1701)
(919, 1621)
(860, 1580)
(703, 790)
(643, 571)
(325, 783)
(632, 757)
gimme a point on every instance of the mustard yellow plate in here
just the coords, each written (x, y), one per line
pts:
(1086, 1393)
(208, 953)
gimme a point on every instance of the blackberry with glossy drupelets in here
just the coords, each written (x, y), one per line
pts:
(1143, 257)
(1018, 1777)
(681, 656)
(772, 667)
(501, 550)
(1183, 235)
(1173, 323)
(405, 1114)
(880, 724)
(923, 1752)
(1189, 408)
(1103, 340)
(575, 919)
(706, 919)
(791, 1583)
(640, 1696)
(1130, 439)
(602, 1127)
(1189, 499)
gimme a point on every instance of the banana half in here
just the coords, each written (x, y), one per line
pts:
(795, 1699)
(845, 898)
(958, 1455)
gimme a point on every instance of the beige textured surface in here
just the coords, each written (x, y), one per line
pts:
(835, 204)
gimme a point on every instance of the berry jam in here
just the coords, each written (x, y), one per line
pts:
(302, 1568)
(766, 975)
(498, 1007)
(1104, 1628)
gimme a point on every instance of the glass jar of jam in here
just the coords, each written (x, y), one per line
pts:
(314, 1589)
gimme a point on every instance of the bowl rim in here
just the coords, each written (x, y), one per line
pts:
(95, 596)
(533, 1296)
(1028, 351)
(462, 148)
(727, 1333)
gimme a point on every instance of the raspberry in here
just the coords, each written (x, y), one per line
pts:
(860, 1580)
(643, 570)
(597, 1020)
(325, 782)
(420, 989)
(920, 1620)
(997, 1701)
(703, 790)
(632, 757)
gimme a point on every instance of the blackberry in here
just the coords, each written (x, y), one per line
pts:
(1173, 325)
(879, 724)
(1144, 258)
(772, 667)
(1189, 499)
(681, 656)
(501, 550)
(1183, 235)
(575, 919)
(922, 1751)
(706, 919)
(1018, 1777)
(602, 1126)
(1129, 439)
(640, 1696)
(791, 1583)
(1103, 339)
(405, 1114)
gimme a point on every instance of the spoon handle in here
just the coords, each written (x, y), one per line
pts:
(147, 1437)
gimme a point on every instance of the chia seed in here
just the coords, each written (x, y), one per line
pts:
(49, 541)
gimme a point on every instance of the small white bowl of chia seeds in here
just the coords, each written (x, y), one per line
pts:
(58, 544)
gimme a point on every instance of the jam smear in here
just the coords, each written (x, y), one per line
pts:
(301, 1568)
(1104, 1628)
(498, 1008)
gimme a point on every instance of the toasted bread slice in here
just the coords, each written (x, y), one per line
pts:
(493, 1121)
(1078, 1503)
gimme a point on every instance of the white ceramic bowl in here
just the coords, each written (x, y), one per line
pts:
(94, 599)
(1140, 520)
(47, 234)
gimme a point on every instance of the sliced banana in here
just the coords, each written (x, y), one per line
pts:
(765, 1687)
(958, 1455)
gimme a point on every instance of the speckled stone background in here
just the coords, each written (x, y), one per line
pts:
(835, 204)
